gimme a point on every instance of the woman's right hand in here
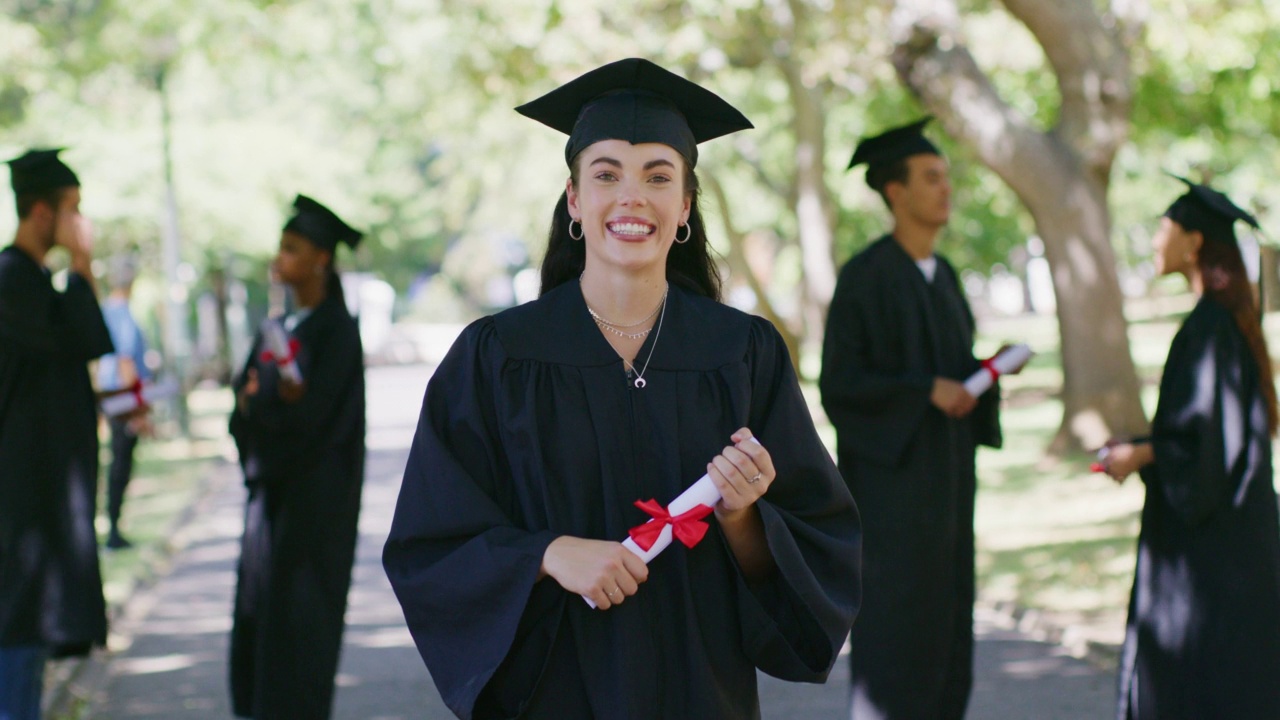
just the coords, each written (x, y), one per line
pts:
(602, 570)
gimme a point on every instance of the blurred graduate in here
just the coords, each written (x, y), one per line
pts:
(302, 451)
(626, 380)
(897, 349)
(51, 601)
(1203, 637)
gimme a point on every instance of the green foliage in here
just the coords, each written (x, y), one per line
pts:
(398, 115)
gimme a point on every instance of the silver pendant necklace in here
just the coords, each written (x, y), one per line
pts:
(640, 382)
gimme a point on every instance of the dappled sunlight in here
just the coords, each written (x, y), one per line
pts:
(152, 665)
(379, 638)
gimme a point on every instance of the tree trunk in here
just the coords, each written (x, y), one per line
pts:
(738, 264)
(1061, 176)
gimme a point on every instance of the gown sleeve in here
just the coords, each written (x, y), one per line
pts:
(73, 327)
(857, 391)
(463, 568)
(1201, 424)
(795, 622)
(275, 437)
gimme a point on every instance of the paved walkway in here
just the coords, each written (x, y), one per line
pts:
(168, 657)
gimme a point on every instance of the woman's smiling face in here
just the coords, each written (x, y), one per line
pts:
(630, 200)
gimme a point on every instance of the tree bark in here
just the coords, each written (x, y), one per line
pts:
(1061, 176)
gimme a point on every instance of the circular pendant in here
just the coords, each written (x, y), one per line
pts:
(640, 383)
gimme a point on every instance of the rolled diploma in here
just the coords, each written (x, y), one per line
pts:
(702, 492)
(277, 342)
(124, 402)
(1011, 359)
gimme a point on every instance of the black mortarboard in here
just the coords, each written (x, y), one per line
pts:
(637, 101)
(1207, 210)
(320, 225)
(40, 171)
(893, 145)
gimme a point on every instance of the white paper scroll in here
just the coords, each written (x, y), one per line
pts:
(146, 394)
(277, 343)
(1012, 358)
(702, 492)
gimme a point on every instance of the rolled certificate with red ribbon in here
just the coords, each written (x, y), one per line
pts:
(138, 395)
(281, 350)
(1006, 361)
(681, 520)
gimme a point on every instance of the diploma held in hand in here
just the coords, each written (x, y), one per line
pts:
(138, 395)
(682, 519)
(281, 349)
(1007, 361)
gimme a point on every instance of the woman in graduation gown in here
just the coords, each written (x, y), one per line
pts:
(626, 380)
(1203, 638)
(302, 450)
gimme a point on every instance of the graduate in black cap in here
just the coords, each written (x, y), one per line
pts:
(50, 585)
(898, 346)
(302, 451)
(626, 380)
(1203, 638)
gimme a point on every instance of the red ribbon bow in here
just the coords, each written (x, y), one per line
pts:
(136, 390)
(294, 345)
(688, 526)
(990, 366)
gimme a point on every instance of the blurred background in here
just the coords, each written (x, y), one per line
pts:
(193, 124)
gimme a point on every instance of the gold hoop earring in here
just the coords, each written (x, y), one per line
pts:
(580, 233)
(688, 233)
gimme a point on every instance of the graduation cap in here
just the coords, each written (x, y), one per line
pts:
(40, 171)
(320, 225)
(1205, 209)
(893, 145)
(637, 101)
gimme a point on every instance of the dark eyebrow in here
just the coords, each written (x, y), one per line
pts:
(660, 162)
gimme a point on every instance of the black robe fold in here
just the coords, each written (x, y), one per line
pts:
(529, 431)
(911, 470)
(304, 467)
(50, 582)
(1203, 638)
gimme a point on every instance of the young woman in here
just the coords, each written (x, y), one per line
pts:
(1203, 638)
(302, 450)
(626, 380)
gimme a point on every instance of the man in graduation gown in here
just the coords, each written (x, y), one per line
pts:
(898, 346)
(51, 599)
(302, 450)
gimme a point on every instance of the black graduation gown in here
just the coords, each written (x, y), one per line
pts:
(911, 471)
(304, 467)
(50, 582)
(1203, 638)
(529, 431)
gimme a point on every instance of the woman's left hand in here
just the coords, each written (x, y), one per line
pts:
(742, 473)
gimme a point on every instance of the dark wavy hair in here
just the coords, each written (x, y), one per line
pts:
(1226, 281)
(689, 264)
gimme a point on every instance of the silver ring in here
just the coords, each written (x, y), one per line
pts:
(609, 593)
(755, 478)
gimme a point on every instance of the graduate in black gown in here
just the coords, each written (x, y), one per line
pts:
(302, 450)
(1203, 637)
(51, 599)
(898, 346)
(626, 380)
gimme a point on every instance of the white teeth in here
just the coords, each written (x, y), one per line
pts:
(630, 228)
